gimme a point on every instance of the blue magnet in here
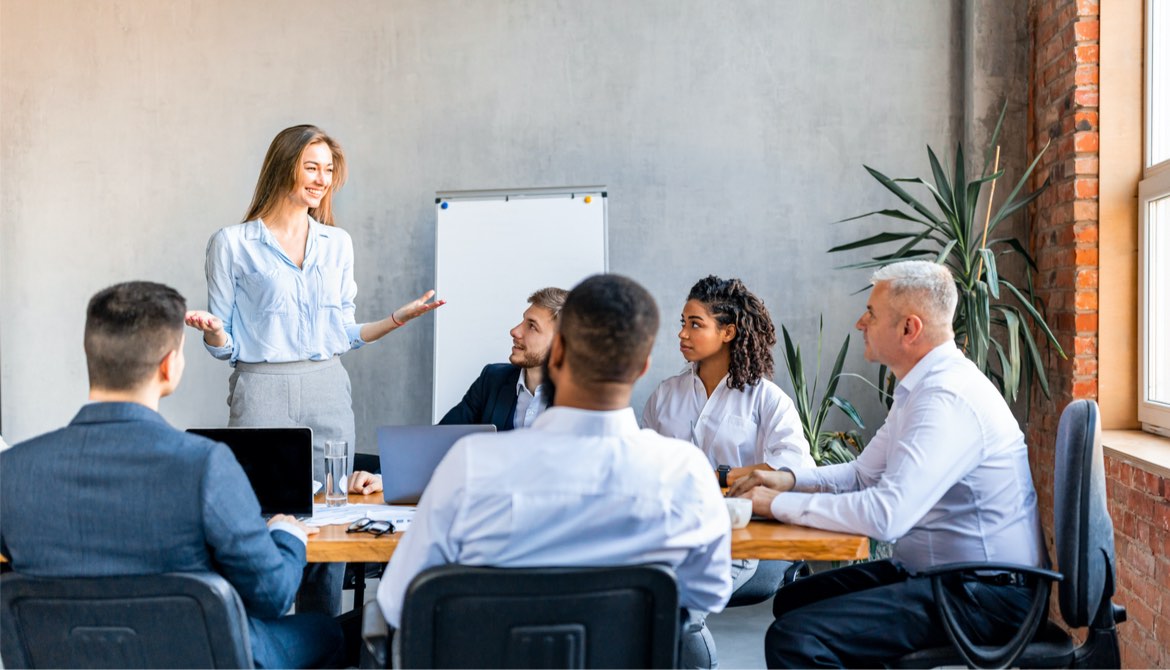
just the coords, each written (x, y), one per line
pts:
(444, 205)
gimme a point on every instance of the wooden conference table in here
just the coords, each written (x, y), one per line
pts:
(761, 539)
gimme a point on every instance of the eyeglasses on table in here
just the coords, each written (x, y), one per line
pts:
(376, 527)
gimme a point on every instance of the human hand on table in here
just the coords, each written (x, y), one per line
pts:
(309, 530)
(364, 483)
(778, 481)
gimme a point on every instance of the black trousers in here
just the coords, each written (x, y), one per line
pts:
(869, 614)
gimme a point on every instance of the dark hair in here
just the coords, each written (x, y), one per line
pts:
(129, 329)
(278, 174)
(607, 326)
(730, 302)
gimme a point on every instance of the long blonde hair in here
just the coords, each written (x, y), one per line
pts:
(278, 175)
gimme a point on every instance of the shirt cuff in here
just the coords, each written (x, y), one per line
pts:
(806, 479)
(291, 530)
(222, 353)
(789, 507)
(354, 333)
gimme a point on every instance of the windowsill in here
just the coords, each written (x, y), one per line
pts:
(1142, 450)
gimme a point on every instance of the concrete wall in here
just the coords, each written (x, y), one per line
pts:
(729, 136)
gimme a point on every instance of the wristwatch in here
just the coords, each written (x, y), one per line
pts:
(723, 470)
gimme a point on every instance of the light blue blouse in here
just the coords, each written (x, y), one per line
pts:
(272, 310)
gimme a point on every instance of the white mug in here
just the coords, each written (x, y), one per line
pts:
(740, 511)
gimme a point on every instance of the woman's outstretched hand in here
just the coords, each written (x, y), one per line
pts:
(416, 308)
(210, 325)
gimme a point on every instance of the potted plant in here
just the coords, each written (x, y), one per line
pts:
(994, 319)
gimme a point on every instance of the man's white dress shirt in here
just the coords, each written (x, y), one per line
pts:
(946, 476)
(756, 425)
(578, 488)
(529, 404)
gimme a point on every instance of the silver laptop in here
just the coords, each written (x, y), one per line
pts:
(410, 454)
(278, 463)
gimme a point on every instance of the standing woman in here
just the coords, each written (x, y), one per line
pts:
(723, 401)
(280, 294)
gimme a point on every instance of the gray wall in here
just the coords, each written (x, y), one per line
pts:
(729, 135)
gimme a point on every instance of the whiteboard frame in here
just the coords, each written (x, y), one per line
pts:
(596, 191)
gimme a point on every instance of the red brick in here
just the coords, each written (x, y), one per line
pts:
(1086, 141)
(1087, 278)
(1086, 388)
(1087, 31)
(1086, 75)
(1088, 53)
(1085, 345)
(1087, 97)
(1086, 323)
(1162, 517)
(1085, 367)
(1085, 233)
(1086, 188)
(1086, 164)
(1085, 257)
(1085, 210)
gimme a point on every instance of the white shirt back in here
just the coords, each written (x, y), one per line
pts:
(579, 488)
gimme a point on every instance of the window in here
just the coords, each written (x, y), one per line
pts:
(1154, 219)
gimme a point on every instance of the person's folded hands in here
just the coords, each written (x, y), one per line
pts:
(364, 483)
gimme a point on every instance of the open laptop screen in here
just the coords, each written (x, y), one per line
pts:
(278, 463)
(410, 454)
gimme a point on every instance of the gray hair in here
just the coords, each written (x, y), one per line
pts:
(924, 285)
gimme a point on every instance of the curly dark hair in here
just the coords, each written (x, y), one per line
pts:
(730, 302)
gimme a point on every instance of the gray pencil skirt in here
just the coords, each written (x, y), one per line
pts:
(315, 394)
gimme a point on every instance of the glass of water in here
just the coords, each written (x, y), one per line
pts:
(336, 476)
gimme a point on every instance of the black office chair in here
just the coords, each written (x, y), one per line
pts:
(177, 620)
(469, 617)
(1084, 551)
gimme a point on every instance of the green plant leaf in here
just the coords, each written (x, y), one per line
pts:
(989, 153)
(892, 213)
(1036, 317)
(992, 274)
(1004, 388)
(849, 410)
(1016, 247)
(880, 238)
(904, 196)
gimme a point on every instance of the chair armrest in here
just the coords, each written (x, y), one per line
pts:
(980, 656)
(375, 637)
(958, 568)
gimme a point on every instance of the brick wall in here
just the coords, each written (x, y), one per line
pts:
(1063, 109)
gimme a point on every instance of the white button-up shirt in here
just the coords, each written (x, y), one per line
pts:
(946, 476)
(578, 488)
(756, 425)
(529, 405)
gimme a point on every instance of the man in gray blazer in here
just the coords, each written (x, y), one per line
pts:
(120, 492)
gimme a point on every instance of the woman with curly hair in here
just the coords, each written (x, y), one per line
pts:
(723, 401)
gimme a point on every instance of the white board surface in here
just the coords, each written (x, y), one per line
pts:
(492, 250)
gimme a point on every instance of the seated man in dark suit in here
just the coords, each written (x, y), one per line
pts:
(511, 395)
(131, 495)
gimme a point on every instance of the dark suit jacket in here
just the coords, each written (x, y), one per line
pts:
(120, 492)
(491, 398)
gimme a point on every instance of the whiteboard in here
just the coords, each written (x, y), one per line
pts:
(492, 250)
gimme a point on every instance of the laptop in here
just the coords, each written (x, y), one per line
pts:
(278, 463)
(410, 454)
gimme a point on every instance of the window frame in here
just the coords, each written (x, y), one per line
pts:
(1154, 185)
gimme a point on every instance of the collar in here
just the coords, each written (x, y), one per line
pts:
(256, 230)
(584, 422)
(927, 363)
(116, 412)
(693, 368)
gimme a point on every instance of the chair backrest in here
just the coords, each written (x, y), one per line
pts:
(1084, 531)
(470, 617)
(177, 620)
